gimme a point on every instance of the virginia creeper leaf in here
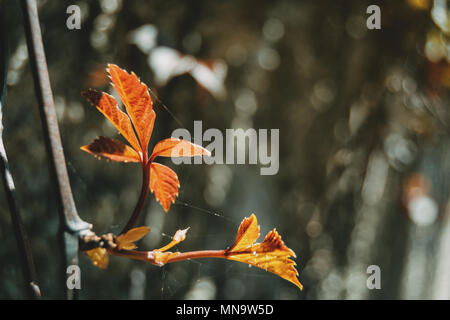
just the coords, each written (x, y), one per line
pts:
(107, 105)
(125, 241)
(134, 95)
(111, 149)
(137, 127)
(271, 255)
(164, 184)
(173, 147)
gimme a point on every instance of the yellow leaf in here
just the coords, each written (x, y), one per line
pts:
(271, 255)
(99, 257)
(125, 241)
(247, 234)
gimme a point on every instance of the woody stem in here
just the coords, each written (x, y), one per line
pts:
(198, 254)
(143, 196)
(144, 255)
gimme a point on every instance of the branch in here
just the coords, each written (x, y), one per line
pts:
(271, 255)
(28, 269)
(148, 256)
(71, 224)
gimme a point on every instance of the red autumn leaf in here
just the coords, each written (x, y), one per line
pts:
(173, 147)
(140, 118)
(107, 105)
(134, 95)
(271, 255)
(111, 149)
(164, 184)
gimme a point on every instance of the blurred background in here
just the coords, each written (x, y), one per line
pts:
(364, 129)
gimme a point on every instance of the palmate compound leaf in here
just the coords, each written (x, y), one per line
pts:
(134, 95)
(125, 241)
(271, 255)
(164, 184)
(111, 149)
(107, 105)
(140, 119)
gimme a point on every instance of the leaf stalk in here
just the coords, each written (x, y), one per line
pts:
(142, 197)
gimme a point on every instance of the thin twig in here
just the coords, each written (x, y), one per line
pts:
(148, 256)
(108, 242)
(28, 270)
(71, 224)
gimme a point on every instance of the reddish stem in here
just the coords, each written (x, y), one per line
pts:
(198, 255)
(143, 196)
(144, 255)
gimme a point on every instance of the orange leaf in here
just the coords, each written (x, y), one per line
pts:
(164, 184)
(99, 257)
(107, 105)
(248, 233)
(134, 95)
(173, 147)
(271, 255)
(111, 149)
(125, 241)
